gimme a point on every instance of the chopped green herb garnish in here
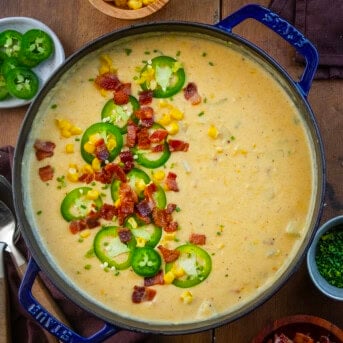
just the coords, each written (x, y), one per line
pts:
(87, 266)
(39, 212)
(91, 79)
(80, 240)
(200, 114)
(89, 253)
(53, 106)
(329, 257)
(178, 53)
(211, 64)
(77, 139)
(147, 52)
(204, 54)
(177, 209)
(128, 51)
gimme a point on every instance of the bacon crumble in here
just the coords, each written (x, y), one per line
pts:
(46, 173)
(44, 149)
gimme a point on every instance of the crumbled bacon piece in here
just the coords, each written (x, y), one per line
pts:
(191, 93)
(163, 218)
(141, 293)
(77, 225)
(121, 95)
(86, 177)
(108, 81)
(197, 238)
(44, 149)
(126, 157)
(157, 148)
(110, 172)
(143, 139)
(101, 151)
(46, 173)
(128, 198)
(145, 97)
(92, 220)
(145, 112)
(168, 254)
(131, 137)
(158, 136)
(178, 145)
(146, 116)
(108, 211)
(124, 234)
(143, 208)
(154, 280)
(171, 183)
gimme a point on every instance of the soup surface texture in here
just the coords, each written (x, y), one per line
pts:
(231, 179)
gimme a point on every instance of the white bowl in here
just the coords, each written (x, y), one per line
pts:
(320, 282)
(44, 69)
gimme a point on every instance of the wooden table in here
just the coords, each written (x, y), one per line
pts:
(76, 22)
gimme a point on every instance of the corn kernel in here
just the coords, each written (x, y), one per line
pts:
(170, 236)
(186, 297)
(94, 138)
(164, 104)
(111, 144)
(89, 147)
(72, 174)
(140, 242)
(158, 175)
(165, 119)
(93, 194)
(213, 132)
(87, 169)
(135, 4)
(96, 165)
(148, 2)
(63, 124)
(168, 277)
(70, 148)
(176, 114)
(103, 92)
(117, 202)
(66, 133)
(74, 130)
(139, 185)
(85, 233)
(178, 271)
(173, 128)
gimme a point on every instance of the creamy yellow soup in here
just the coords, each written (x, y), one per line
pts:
(246, 181)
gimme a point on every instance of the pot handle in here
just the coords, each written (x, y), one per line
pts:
(288, 32)
(48, 321)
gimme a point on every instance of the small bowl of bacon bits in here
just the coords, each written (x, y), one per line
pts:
(300, 329)
(128, 9)
(325, 258)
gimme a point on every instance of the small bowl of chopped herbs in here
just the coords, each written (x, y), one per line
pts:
(325, 258)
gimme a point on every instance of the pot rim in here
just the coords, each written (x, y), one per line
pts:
(36, 249)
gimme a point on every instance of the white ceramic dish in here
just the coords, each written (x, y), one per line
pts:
(44, 69)
(327, 289)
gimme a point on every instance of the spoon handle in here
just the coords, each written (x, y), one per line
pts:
(4, 306)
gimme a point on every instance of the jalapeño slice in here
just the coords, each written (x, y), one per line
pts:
(146, 261)
(22, 82)
(10, 43)
(109, 249)
(168, 76)
(8, 64)
(149, 233)
(36, 46)
(3, 87)
(76, 205)
(112, 139)
(119, 114)
(195, 262)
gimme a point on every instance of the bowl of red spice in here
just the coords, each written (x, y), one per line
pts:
(325, 258)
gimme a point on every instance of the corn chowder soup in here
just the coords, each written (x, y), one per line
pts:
(170, 179)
